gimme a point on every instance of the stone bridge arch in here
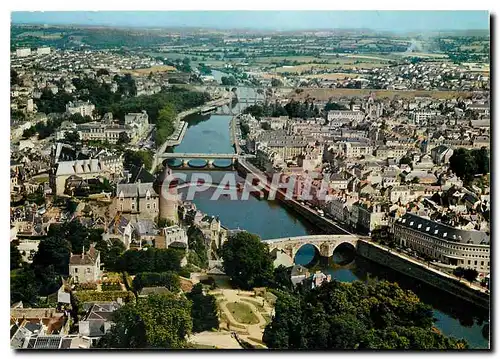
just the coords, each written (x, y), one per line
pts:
(325, 245)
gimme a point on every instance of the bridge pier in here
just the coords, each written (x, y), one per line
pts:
(185, 163)
(325, 244)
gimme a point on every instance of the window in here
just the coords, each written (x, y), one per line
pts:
(148, 206)
(76, 270)
(468, 262)
(475, 263)
(88, 270)
(482, 263)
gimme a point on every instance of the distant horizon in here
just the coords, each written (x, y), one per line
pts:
(382, 21)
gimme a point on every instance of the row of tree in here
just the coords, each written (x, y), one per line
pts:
(292, 109)
(162, 321)
(366, 316)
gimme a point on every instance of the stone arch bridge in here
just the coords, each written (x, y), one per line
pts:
(325, 243)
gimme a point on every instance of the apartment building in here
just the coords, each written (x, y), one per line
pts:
(449, 245)
(338, 118)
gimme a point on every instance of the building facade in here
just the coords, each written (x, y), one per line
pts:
(449, 245)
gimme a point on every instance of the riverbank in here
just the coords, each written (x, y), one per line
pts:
(420, 271)
(325, 224)
(176, 138)
(271, 219)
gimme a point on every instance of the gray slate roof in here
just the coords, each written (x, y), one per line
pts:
(442, 231)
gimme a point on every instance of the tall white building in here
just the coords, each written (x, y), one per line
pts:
(23, 52)
(43, 51)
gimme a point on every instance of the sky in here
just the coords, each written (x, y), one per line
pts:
(398, 21)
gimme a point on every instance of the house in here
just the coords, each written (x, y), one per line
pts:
(172, 235)
(85, 267)
(299, 274)
(137, 199)
(318, 278)
(97, 320)
(441, 154)
(37, 328)
(143, 231)
(119, 228)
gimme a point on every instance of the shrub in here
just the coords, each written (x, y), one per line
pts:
(86, 286)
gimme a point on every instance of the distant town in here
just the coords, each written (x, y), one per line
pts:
(381, 141)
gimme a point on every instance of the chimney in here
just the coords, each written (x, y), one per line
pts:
(83, 251)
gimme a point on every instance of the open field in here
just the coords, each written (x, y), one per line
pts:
(242, 313)
(333, 76)
(41, 35)
(154, 69)
(422, 54)
(325, 94)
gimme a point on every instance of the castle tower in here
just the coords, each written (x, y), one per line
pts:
(169, 198)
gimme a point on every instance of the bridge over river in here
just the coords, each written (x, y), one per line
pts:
(325, 244)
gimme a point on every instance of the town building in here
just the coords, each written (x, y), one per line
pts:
(443, 243)
(84, 108)
(85, 267)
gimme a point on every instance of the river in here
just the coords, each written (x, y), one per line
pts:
(268, 219)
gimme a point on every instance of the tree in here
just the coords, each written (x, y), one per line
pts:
(265, 126)
(415, 180)
(247, 260)
(276, 82)
(138, 158)
(23, 286)
(203, 310)
(71, 137)
(165, 123)
(459, 272)
(334, 106)
(16, 259)
(282, 278)
(159, 321)
(102, 72)
(78, 236)
(228, 81)
(14, 77)
(110, 253)
(77, 118)
(467, 163)
(150, 260)
(470, 274)
(358, 315)
(53, 251)
(123, 138)
(197, 244)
